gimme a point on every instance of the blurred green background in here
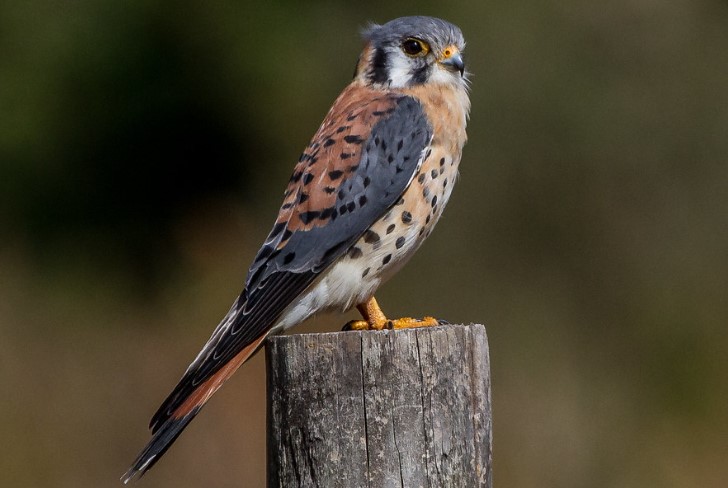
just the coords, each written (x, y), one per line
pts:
(144, 148)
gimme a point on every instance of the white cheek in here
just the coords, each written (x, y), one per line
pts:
(445, 77)
(399, 70)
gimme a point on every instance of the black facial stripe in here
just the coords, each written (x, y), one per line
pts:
(420, 74)
(378, 72)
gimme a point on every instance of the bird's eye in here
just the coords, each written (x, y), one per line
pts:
(415, 47)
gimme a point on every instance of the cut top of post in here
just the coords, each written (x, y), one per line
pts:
(380, 408)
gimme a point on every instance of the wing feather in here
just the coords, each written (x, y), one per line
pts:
(363, 157)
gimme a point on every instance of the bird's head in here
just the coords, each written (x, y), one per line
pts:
(412, 51)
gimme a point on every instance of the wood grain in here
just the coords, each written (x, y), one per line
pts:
(404, 408)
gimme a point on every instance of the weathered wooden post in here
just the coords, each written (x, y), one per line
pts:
(405, 408)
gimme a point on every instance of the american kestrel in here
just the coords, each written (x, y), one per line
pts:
(364, 195)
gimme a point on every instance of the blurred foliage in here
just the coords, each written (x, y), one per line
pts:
(144, 147)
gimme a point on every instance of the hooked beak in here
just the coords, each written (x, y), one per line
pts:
(453, 61)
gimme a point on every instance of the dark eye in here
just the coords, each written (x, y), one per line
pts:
(415, 47)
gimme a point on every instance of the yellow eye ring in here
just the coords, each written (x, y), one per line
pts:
(415, 47)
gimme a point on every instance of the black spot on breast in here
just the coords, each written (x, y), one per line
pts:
(421, 178)
(427, 220)
(342, 128)
(286, 206)
(329, 142)
(367, 181)
(350, 206)
(434, 201)
(444, 183)
(289, 257)
(362, 200)
(353, 139)
(365, 272)
(399, 243)
(390, 158)
(342, 194)
(345, 155)
(390, 228)
(295, 177)
(426, 192)
(406, 217)
(287, 235)
(400, 144)
(387, 259)
(433, 173)
(307, 178)
(442, 161)
(355, 253)
(335, 174)
(400, 201)
(307, 217)
(370, 237)
(302, 197)
(329, 190)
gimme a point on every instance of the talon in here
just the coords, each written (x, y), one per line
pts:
(374, 319)
(355, 325)
(410, 323)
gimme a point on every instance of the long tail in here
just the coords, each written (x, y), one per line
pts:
(182, 409)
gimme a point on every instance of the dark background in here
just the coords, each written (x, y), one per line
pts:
(144, 148)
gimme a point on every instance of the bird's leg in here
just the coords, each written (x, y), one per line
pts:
(374, 319)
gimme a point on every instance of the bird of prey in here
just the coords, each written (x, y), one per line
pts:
(364, 195)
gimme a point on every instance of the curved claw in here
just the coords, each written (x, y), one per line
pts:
(355, 325)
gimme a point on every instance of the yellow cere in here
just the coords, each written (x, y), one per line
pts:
(448, 52)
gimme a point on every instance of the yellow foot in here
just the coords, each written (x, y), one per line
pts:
(356, 325)
(409, 322)
(403, 323)
(374, 319)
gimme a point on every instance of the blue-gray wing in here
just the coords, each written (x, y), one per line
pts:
(365, 154)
